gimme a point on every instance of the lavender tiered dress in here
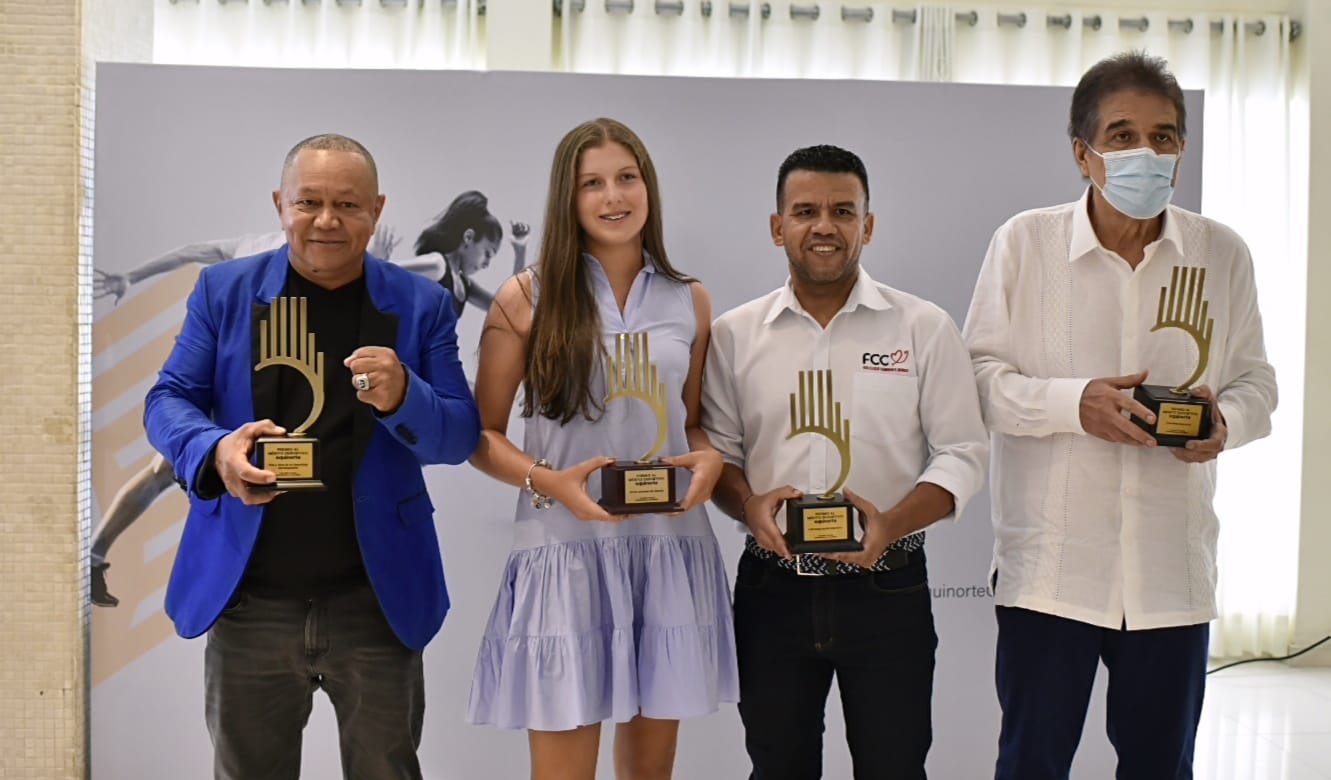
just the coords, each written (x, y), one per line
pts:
(599, 620)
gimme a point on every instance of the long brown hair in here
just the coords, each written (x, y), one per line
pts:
(565, 339)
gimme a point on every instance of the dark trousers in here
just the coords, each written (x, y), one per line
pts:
(875, 632)
(266, 657)
(1045, 670)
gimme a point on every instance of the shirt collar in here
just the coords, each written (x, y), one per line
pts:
(1170, 231)
(648, 262)
(865, 293)
(1084, 240)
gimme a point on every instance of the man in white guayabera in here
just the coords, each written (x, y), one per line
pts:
(1105, 538)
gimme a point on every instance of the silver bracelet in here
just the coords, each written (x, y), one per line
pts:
(538, 500)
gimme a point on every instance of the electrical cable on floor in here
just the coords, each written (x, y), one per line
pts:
(1281, 658)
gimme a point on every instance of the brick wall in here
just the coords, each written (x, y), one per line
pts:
(47, 48)
(42, 645)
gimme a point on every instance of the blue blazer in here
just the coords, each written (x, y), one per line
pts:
(208, 387)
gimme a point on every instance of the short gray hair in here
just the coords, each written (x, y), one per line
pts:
(332, 142)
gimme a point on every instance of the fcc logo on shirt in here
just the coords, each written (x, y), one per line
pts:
(895, 362)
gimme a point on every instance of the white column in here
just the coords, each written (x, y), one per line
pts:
(1313, 610)
(518, 34)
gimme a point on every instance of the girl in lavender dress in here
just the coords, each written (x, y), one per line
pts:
(600, 617)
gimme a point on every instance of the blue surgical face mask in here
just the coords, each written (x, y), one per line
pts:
(1138, 182)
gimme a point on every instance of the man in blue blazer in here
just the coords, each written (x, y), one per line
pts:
(336, 588)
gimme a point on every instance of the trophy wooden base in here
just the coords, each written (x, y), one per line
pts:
(821, 525)
(294, 459)
(1179, 418)
(629, 487)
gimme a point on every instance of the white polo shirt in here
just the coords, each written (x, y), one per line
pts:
(1098, 532)
(899, 369)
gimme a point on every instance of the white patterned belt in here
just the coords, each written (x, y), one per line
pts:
(817, 565)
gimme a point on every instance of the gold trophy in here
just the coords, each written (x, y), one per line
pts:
(287, 341)
(1181, 417)
(821, 523)
(645, 485)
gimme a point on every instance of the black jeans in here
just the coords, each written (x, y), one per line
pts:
(266, 657)
(874, 631)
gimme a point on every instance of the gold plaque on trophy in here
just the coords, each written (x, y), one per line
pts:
(285, 340)
(1181, 417)
(645, 485)
(821, 523)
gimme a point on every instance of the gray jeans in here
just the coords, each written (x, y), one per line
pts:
(265, 659)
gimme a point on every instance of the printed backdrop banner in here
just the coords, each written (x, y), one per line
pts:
(186, 159)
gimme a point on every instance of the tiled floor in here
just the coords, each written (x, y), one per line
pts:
(1266, 721)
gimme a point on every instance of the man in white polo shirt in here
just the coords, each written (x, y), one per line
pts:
(897, 369)
(1105, 540)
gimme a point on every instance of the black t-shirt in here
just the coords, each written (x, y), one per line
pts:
(307, 543)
